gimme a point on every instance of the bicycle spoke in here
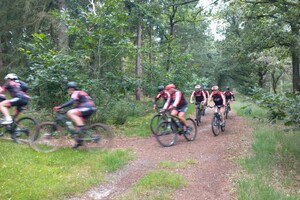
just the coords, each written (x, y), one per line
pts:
(166, 134)
(191, 134)
(47, 138)
(215, 125)
(98, 135)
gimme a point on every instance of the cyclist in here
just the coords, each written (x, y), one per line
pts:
(200, 97)
(177, 103)
(84, 107)
(19, 97)
(161, 93)
(229, 96)
(219, 99)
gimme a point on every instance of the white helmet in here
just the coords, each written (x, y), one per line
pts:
(11, 76)
(197, 87)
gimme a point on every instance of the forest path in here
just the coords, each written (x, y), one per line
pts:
(212, 178)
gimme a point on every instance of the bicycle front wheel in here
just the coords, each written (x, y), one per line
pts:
(46, 138)
(226, 112)
(24, 128)
(154, 123)
(215, 125)
(99, 134)
(166, 134)
(192, 133)
(198, 116)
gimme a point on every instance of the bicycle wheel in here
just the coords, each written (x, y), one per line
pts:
(166, 133)
(223, 128)
(46, 138)
(98, 134)
(192, 134)
(24, 128)
(226, 111)
(197, 119)
(215, 125)
(154, 122)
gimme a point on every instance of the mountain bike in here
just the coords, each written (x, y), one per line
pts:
(200, 109)
(227, 109)
(155, 120)
(168, 130)
(51, 135)
(216, 123)
(19, 130)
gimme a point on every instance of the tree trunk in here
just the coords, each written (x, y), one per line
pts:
(295, 59)
(138, 68)
(63, 39)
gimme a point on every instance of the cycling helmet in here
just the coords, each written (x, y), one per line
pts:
(215, 88)
(228, 88)
(197, 87)
(170, 86)
(72, 85)
(160, 88)
(11, 76)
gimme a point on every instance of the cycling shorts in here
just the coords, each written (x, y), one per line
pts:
(18, 102)
(86, 111)
(182, 108)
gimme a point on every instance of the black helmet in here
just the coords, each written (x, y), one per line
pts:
(72, 85)
(228, 88)
(160, 88)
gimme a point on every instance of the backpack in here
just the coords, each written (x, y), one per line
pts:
(23, 85)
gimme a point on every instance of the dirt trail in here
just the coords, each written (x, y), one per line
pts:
(213, 178)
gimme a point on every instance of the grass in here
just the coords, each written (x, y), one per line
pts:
(156, 185)
(273, 167)
(26, 174)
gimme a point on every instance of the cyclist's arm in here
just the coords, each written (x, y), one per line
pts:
(192, 97)
(68, 103)
(204, 96)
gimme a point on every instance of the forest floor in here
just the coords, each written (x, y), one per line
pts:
(214, 177)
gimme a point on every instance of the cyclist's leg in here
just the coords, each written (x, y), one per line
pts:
(5, 105)
(78, 116)
(181, 112)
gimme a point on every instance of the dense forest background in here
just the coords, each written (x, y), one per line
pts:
(121, 50)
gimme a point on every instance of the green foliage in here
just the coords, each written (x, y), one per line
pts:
(284, 107)
(272, 167)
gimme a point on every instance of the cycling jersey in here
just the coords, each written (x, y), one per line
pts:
(15, 89)
(228, 94)
(82, 99)
(164, 94)
(176, 100)
(199, 95)
(217, 97)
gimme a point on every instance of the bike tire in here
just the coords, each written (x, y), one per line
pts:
(156, 119)
(226, 112)
(47, 137)
(193, 133)
(166, 133)
(98, 135)
(24, 129)
(197, 114)
(215, 125)
(223, 128)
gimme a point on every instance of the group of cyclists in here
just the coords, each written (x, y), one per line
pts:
(84, 106)
(82, 102)
(176, 102)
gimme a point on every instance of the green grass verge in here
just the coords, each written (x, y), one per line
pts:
(26, 174)
(160, 184)
(273, 168)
